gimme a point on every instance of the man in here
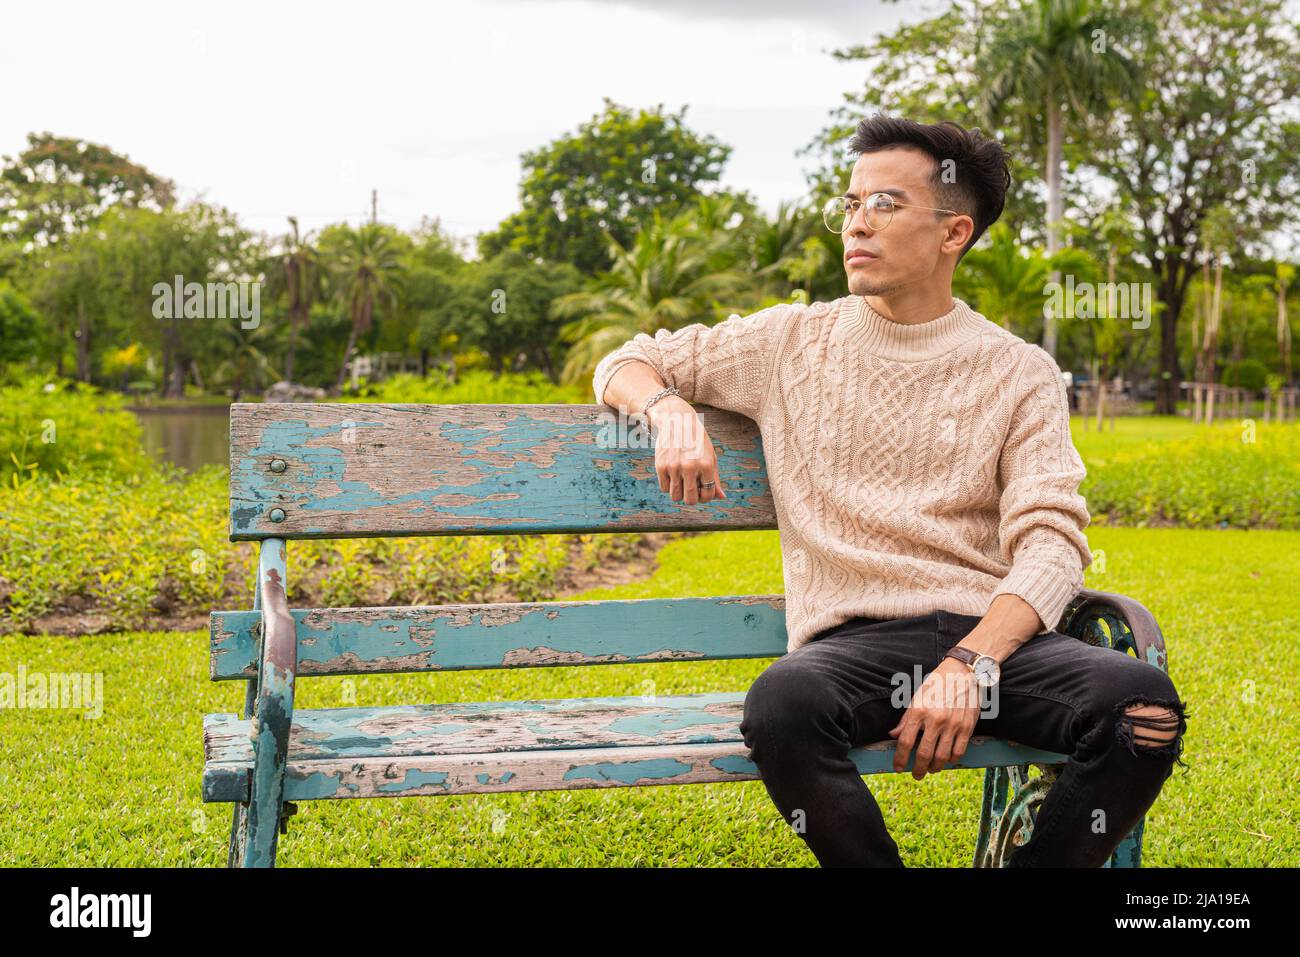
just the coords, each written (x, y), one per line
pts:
(926, 490)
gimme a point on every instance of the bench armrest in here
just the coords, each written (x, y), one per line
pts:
(1130, 624)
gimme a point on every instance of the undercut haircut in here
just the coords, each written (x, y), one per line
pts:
(980, 171)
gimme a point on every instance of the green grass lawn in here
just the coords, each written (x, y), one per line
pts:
(123, 789)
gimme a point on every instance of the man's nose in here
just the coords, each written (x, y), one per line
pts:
(858, 223)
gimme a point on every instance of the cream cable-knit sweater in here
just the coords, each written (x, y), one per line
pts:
(913, 467)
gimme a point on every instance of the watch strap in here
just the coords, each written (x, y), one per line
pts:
(964, 655)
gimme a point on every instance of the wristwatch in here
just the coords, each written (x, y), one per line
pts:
(987, 672)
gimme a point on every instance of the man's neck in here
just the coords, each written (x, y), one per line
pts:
(912, 306)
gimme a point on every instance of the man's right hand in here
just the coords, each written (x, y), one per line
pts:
(684, 454)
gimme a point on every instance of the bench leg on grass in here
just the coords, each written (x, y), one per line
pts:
(239, 822)
(1012, 796)
(257, 824)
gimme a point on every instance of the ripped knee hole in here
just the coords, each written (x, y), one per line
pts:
(1151, 726)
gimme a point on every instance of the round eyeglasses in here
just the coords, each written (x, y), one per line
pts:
(878, 211)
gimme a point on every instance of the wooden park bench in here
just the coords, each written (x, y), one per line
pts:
(342, 470)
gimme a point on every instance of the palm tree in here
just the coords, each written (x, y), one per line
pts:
(671, 275)
(367, 271)
(295, 272)
(788, 250)
(1046, 58)
(1005, 281)
(246, 365)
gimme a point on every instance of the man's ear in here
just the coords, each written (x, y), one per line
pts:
(959, 233)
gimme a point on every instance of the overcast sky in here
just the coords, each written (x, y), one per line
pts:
(273, 108)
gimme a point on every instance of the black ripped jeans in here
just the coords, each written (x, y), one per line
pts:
(839, 691)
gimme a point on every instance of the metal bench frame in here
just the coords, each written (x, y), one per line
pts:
(344, 470)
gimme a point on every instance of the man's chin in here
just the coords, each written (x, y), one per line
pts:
(861, 286)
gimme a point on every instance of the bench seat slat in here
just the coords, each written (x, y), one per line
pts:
(551, 744)
(472, 728)
(351, 641)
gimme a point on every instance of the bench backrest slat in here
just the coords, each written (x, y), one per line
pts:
(344, 470)
(344, 641)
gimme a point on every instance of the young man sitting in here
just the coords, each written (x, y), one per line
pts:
(926, 491)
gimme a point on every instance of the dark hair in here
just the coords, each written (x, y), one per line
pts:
(980, 165)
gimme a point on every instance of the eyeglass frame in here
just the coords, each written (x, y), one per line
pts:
(862, 203)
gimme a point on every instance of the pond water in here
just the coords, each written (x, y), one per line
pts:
(187, 436)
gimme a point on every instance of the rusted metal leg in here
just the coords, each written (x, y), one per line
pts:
(239, 819)
(273, 712)
(1012, 798)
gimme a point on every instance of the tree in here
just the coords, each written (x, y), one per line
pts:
(1004, 281)
(59, 186)
(246, 363)
(1209, 128)
(1217, 235)
(18, 329)
(106, 276)
(72, 289)
(502, 306)
(606, 178)
(295, 274)
(1053, 63)
(927, 71)
(432, 265)
(365, 262)
(1285, 274)
(672, 274)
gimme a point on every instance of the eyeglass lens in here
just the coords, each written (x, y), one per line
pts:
(879, 209)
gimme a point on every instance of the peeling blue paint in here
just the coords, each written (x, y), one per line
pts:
(534, 474)
(416, 779)
(314, 787)
(334, 641)
(628, 772)
(735, 764)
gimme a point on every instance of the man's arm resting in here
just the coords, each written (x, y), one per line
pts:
(632, 384)
(1008, 624)
(684, 453)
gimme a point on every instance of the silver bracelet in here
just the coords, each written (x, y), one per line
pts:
(656, 397)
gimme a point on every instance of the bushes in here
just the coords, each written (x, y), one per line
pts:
(1225, 477)
(156, 546)
(476, 386)
(91, 525)
(1248, 374)
(126, 549)
(57, 429)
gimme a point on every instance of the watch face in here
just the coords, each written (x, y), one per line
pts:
(987, 671)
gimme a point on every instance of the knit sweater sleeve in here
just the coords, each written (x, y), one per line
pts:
(725, 365)
(1042, 514)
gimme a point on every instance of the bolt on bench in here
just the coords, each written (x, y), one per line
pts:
(355, 470)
